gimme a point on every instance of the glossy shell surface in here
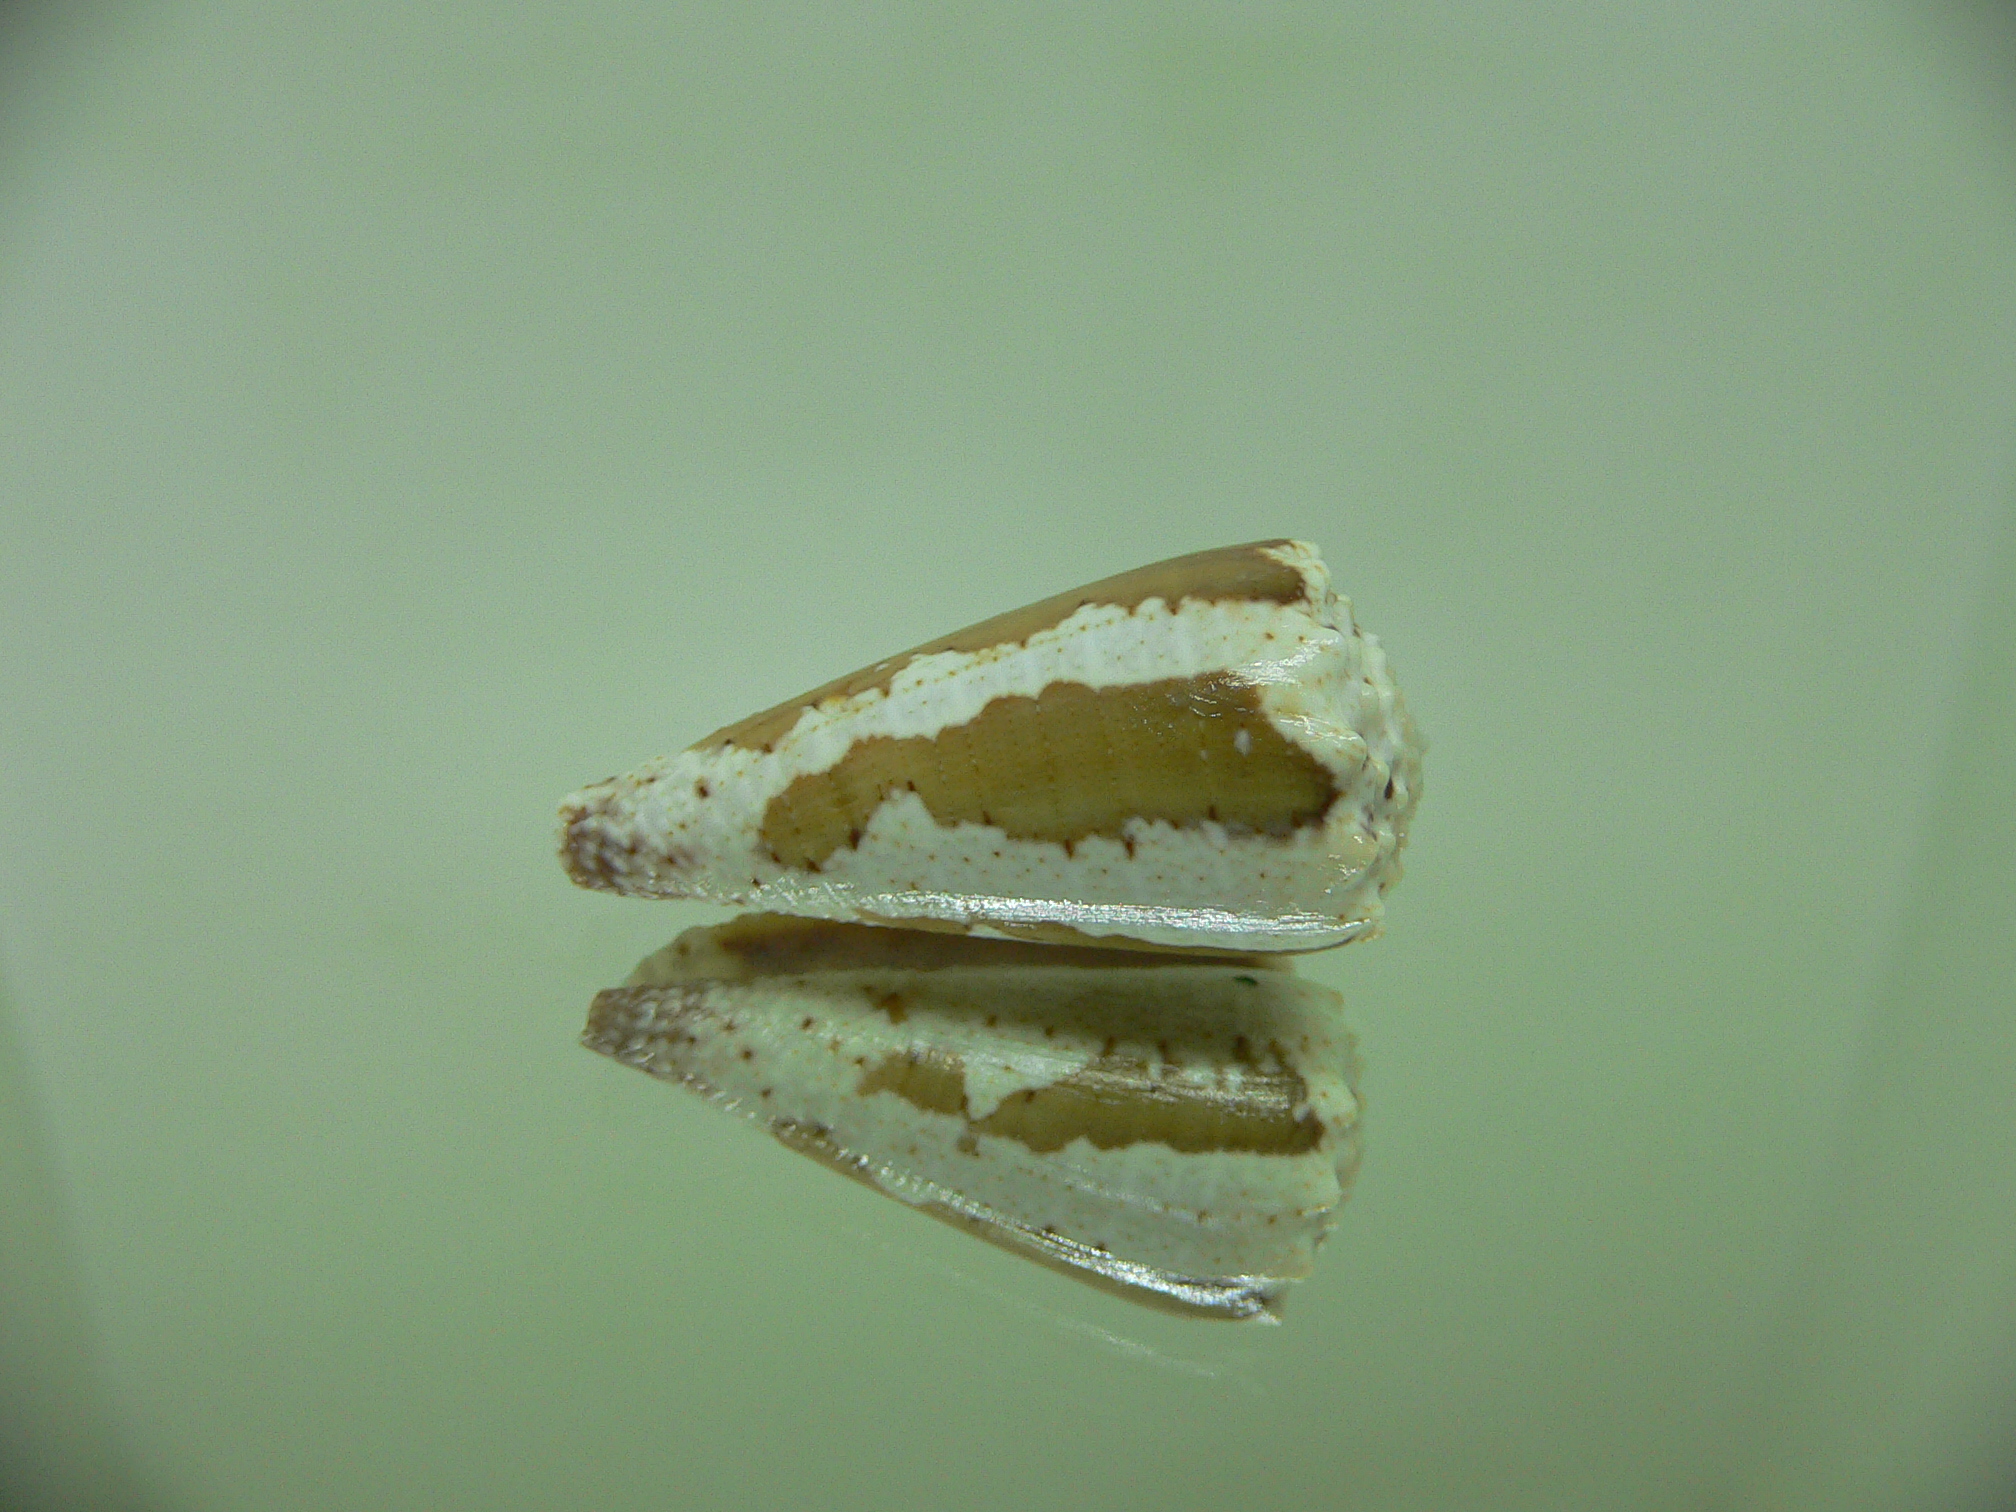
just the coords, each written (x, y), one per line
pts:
(1206, 754)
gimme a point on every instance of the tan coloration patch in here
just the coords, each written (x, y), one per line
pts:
(929, 1079)
(1227, 573)
(1116, 1101)
(1068, 764)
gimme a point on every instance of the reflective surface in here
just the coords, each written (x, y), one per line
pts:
(1176, 1130)
(409, 413)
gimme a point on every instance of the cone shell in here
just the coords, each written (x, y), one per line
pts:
(1206, 754)
(1179, 1130)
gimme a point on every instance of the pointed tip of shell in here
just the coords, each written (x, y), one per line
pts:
(591, 849)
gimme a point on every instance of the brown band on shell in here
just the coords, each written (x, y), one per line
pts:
(1115, 1101)
(1068, 764)
(1247, 572)
(934, 1080)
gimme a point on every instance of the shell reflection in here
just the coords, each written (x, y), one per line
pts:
(1179, 1129)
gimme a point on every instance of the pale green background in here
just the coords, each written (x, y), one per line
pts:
(410, 412)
